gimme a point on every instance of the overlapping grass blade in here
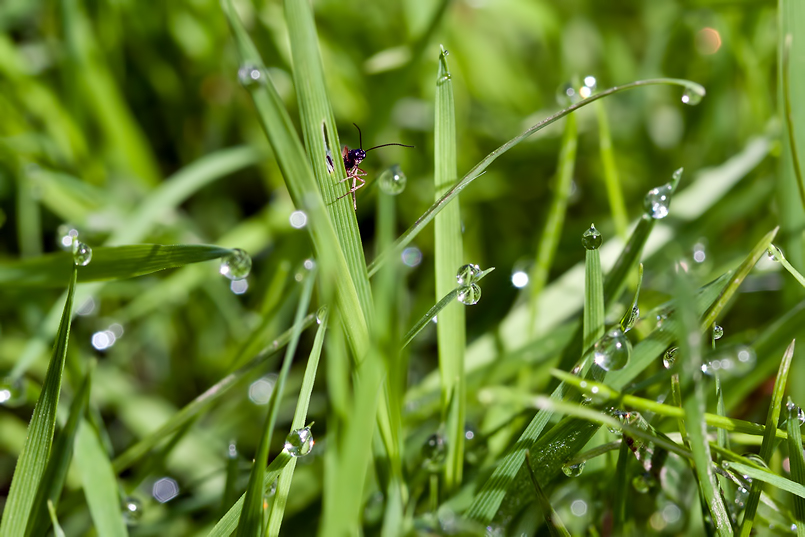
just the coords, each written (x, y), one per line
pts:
(57, 529)
(766, 476)
(796, 461)
(50, 487)
(108, 263)
(34, 455)
(251, 517)
(610, 171)
(767, 448)
(100, 484)
(552, 520)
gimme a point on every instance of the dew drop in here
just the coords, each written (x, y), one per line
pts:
(469, 295)
(718, 332)
(741, 495)
(236, 265)
(232, 450)
(321, 314)
(467, 274)
(82, 253)
(392, 181)
(249, 75)
(434, 451)
(642, 483)
(590, 82)
(132, 511)
(298, 219)
(612, 352)
(628, 321)
(669, 358)
(299, 443)
(66, 234)
(13, 392)
(774, 253)
(658, 200)
(591, 239)
(692, 95)
(573, 470)
(566, 95)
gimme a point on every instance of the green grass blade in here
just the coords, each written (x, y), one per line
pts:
(299, 178)
(593, 297)
(299, 420)
(29, 227)
(100, 484)
(449, 256)
(229, 522)
(552, 232)
(50, 487)
(621, 490)
(766, 476)
(767, 448)
(108, 263)
(57, 530)
(318, 121)
(34, 455)
(611, 178)
(555, 526)
(689, 338)
(251, 517)
(479, 168)
(778, 255)
(797, 461)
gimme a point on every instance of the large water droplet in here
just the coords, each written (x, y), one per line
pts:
(612, 352)
(692, 95)
(573, 470)
(298, 443)
(628, 321)
(236, 265)
(795, 412)
(434, 451)
(658, 200)
(718, 332)
(132, 511)
(467, 274)
(469, 295)
(13, 392)
(82, 254)
(392, 181)
(250, 75)
(669, 358)
(591, 239)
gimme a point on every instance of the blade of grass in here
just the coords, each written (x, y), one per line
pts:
(593, 324)
(29, 227)
(57, 530)
(34, 455)
(251, 517)
(555, 526)
(100, 484)
(621, 491)
(50, 487)
(778, 256)
(479, 168)
(765, 476)
(551, 233)
(611, 179)
(299, 419)
(796, 461)
(449, 256)
(767, 448)
(108, 263)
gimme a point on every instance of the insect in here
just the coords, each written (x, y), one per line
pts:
(352, 159)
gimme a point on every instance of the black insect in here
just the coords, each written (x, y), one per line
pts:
(352, 159)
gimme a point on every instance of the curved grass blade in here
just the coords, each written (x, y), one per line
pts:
(767, 448)
(434, 311)
(299, 420)
(796, 461)
(57, 530)
(50, 487)
(251, 517)
(479, 168)
(108, 263)
(777, 254)
(100, 484)
(766, 476)
(34, 455)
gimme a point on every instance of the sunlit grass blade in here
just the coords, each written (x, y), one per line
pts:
(57, 530)
(796, 461)
(693, 403)
(621, 492)
(778, 255)
(200, 403)
(767, 448)
(765, 476)
(555, 218)
(50, 487)
(610, 171)
(790, 124)
(552, 520)
(449, 254)
(593, 323)
(299, 420)
(251, 517)
(299, 178)
(100, 484)
(34, 455)
(229, 522)
(108, 263)
(479, 168)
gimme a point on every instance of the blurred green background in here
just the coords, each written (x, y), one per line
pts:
(102, 100)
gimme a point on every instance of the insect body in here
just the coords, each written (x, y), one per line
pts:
(352, 159)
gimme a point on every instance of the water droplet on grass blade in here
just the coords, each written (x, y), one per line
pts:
(658, 200)
(573, 470)
(642, 483)
(236, 265)
(718, 332)
(469, 295)
(669, 358)
(321, 314)
(82, 253)
(693, 95)
(612, 352)
(591, 239)
(249, 75)
(13, 392)
(434, 451)
(132, 511)
(467, 274)
(393, 181)
(628, 321)
(66, 234)
(299, 442)
(774, 253)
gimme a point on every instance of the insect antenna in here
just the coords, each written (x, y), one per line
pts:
(360, 141)
(360, 136)
(384, 145)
